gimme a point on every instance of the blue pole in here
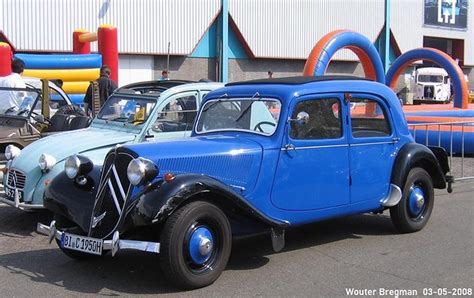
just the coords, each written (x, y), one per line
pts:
(386, 59)
(224, 61)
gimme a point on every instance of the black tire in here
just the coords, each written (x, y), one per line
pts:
(175, 246)
(405, 219)
(65, 225)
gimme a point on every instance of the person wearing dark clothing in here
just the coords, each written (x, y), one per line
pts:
(106, 88)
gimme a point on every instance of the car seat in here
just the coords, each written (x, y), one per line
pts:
(58, 122)
(79, 122)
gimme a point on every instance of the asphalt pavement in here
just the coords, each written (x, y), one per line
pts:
(363, 254)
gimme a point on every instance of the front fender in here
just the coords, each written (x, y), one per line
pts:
(417, 155)
(157, 202)
(75, 202)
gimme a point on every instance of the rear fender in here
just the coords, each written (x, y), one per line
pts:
(161, 199)
(416, 155)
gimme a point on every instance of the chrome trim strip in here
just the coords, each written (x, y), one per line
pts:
(314, 147)
(114, 196)
(117, 179)
(374, 143)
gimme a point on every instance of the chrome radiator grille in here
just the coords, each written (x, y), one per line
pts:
(16, 179)
(112, 194)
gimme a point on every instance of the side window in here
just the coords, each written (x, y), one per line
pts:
(177, 115)
(324, 120)
(368, 119)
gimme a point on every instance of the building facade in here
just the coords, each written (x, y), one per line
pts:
(189, 36)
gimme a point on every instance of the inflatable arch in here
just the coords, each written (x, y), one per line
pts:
(321, 55)
(438, 57)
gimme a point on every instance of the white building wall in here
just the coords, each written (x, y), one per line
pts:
(135, 68)
(144, 26)
(290, 29)
(407, 25)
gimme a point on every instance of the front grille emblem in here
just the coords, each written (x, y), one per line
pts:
(97, 219)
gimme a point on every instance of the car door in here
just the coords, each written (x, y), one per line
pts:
(372, 147)
(175, 117)
(313, 167)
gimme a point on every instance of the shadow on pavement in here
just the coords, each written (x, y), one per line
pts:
(17, 223)
(139, 273)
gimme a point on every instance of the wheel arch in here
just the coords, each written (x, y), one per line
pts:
(413, 155)
(164, 198)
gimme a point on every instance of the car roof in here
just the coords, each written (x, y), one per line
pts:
(155, 89)
(432, 70)
(296, 80)
(287, 88)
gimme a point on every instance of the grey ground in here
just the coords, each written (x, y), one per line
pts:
(320, 260)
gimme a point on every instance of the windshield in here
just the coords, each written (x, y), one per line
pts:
(127, 109)
(430, 79)
(248, 114)
(18, 101)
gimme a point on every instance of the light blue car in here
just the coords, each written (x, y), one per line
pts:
(142, 113)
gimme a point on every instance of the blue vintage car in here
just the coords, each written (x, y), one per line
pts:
(265, 155)
(140, 112)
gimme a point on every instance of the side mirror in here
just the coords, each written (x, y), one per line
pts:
(301, 119)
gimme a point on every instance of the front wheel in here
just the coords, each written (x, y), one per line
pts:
(413, 211)
(195, 245)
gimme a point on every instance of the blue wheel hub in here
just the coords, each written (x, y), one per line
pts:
(416, 201)
(201, 245)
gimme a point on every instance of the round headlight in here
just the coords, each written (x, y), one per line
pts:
(72, 166)
(46, 162)
(12, 151)
(141, 170)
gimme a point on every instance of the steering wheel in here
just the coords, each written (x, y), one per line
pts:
(259, 125)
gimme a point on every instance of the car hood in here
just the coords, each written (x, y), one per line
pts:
(235, 161)
(62, 145)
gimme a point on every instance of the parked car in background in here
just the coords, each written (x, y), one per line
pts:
(431, 85)
(139, 112)
(32, 120)
(265, 155)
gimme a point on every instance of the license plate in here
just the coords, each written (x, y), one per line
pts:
(10, 193)
(81, 243)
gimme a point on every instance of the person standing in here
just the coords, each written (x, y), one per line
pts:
(11, 100)
(270, 74)
(106, 88)
(165, 75)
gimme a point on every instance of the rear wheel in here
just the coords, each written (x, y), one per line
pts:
(195, 245)
(413, 211)
(65, 225)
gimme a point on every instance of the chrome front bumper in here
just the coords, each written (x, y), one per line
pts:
(17, 204)
(114, 245)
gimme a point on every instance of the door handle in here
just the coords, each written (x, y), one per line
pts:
(289, 147)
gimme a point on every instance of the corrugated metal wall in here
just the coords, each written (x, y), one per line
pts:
(144, 26)
(290, 29)
(272, 28)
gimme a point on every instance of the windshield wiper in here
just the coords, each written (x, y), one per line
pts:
(247, 108)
